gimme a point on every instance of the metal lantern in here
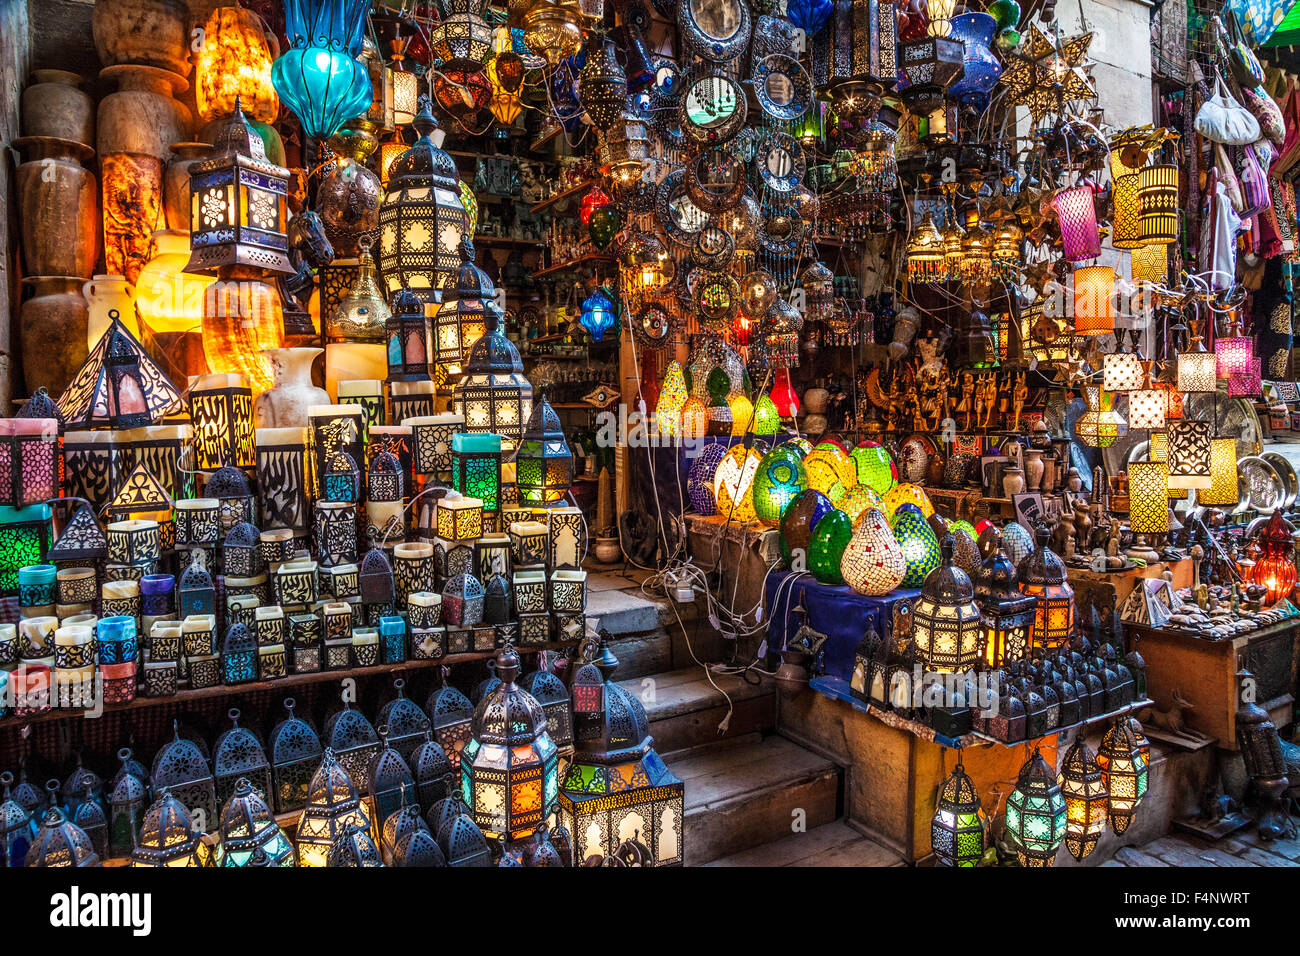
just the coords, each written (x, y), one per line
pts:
(551, 30)
(182, 769)
(624, 150)
(118, 385)
(598, 314)
(29, 460)
(554, 698)
(617, 789)
(418, 848)
(295, 753)
(452, 715)
(421, 218)
(333, 808)
(351, 738)
(238, 754)
(927, 67)
(461, 841)
(1100, 425)
(168, 837)
(493, 394)
(354, 847)
(405, 722)
(1085, 800)
(543, 462)
(1148, 483)
(1036, 814)
(476, 469)
(505, 72)
(1197, 368)
(602, 86)
(407, 332)
(1121, 372)
(958, 827)
(925, 253)
(1123, 772)
(1043, 577)
(1077, 214)
(434, 777)
(238, 205)
(247, 828)
(399, 825)
(1158, 203)
(17, 826)
(461, 39)
(462, 320)
(389, 779)
(60, 843)
(1006, 615)
(508, 769)
(946, 621)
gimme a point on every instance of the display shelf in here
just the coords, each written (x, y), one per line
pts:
(286, 682)
(573, 192)
(590, 258)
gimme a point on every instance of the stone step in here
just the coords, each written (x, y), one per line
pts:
(833, 844)
(648, 637)
(685, 709)
(753, 792)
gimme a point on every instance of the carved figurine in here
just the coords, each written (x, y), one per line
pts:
(1019, 394)
(967, 403)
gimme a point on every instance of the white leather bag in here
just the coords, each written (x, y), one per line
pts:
(1221, 119)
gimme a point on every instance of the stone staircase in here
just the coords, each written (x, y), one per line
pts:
(753, 797)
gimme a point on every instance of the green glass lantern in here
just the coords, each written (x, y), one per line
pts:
(248, 828)
(603, 226)
(543, 461)
(876, 468)
(767, 420)
(476, 468)
(829, 539)
(1036, 814)
(919, 543)
(779, 479)
(959, 826)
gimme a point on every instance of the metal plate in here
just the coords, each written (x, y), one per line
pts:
(1263, 486)
(1290, 482)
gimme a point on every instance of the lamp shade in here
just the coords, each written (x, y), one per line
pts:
(234, 60)
(1232, 355)
(958, 827)
(1223, 474)
(1189, 454)
(1094, 308)
(780, 477)
(1158, 199)
(1121, 372)
(320, 77)
(1148, 483)
(493, 394)
(1126, 225)
(1080, 238)
(1197, 370)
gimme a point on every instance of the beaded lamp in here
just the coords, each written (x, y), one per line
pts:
(925, 253)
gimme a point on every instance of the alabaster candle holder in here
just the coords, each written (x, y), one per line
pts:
(530, 592)
(120, 597)
(337, 618)
(277, 547)
(295, 583)
(197, 522)
(428, 643)
(76, 586)
(204, 671)
(36, 636)
(534, 629)
(272, 662)
(270, 625)
(199, 632)
(412, 569)
(117, 640)
(36, 585)
(365, 647)
(118, 682)
(166, 640)
(424, 608)
(528, 545)
(569, 591)
(134, 541)
(459, 518)
(306, 630)
(74, 647)
(338, 654)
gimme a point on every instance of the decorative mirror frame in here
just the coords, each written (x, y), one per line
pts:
(720, 257)
(789, 245)
(653, 326)
(724, 131)
(706, 199)
(716, 319)
(776, 139)
(712, 48)
(670, 187)
(778, 64)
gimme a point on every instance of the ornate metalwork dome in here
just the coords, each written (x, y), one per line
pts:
(463, 843)
(295, 752)
(60, 843)
(247, 827)
(354, 849)
(620, 732)
(484, 687)
(227, 482)
(554, 698)
(452, 715)
(389, 779)
(168, 838)
(79, 781)
(493, 394)
(181, 767)
(376, 577)
(424, 164)
(352, 738)
(508, 715)
(238, 753)
(1042, 566)
(419, 848)
(432, 770)
(398, 825)
(405, 722)
(997, 578)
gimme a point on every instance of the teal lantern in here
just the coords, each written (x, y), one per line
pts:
(319, 77)
(876, 468)
(597, 314)
(919, 543)
(829, 539)
(1036, 814)
(780, 478)
(249, 833)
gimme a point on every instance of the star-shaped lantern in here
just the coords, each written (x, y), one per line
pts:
(1049, 72)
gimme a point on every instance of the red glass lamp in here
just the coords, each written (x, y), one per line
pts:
(1275, 569)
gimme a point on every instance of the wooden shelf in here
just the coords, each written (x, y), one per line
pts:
(286, 682)
(537, 145)
(572, 192)
(590, 258)
(486, 240)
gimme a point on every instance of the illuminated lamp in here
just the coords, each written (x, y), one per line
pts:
(551, 30)
(1147, 405)
(1121, 372)
(543, 461)
(167, 298)
(221, 408)
(1123, 773)
(954, 239)
(977, 259)
(699, 480)
(1189, 454)
(1158, 202)
(1043, 577)
(919, 543)
(1006, 614)
(783, 394)
(925, 253)
(1126, 225)
(505, 73)
(1222, 491)
(1006, 244)
(1148, 483)
(1275, 568)
(733, 481)
(1094, 306)
(461, 321)
(407, 333)
(767, 420)
(248, 828)
(476, 468)
(508, 769)
(695, 418)
(598, 314)
(1197, 369)
(779, 479)
(602, 86)
(333, 808)
(872, 563)
(1249, 382)
(29, 461)
(855, 500)
(909, 494)
(595, 198)
(1233, 352)
(168, 837)
(624, 150)
(461, 92)
(406, 85)
(1085, 796)
(1160, 452)
(461, 38)
(927, 67)
(1150, 263)
(320, 77)
(830, 539)
(1077, 213)
(827, 464)
(875, 466)
(958, 827)
(1036, 814)
(945, 618)
(493, 394)
(234, 61)
(1100, 425)
(672, 399)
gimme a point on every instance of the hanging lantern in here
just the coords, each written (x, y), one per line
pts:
(422, 218)
(1158, 202)
(1233, 352)
(508, 769)
(1094, 304)
(1121, 372)
(958, 827)
(1150, 263)
(320, 77)
(624, 150)
(461, 321)
(1126, 224)
(1222, 490)
(1077, 213)
(551, 30)
(234, 61)
(1275, 568)
(602, 86)
(543, 461)
(1085, 796)
(295, 752)
(168, 837)
(247, 828)
(1036, 814)
(493, 394)
(58, 842)
(1148, 483)
(333, 808)
(461, 39)
(1123, 773)
(925, 251)
(1147, 405)
(1189, 454)
(1043, 577)
(945, 619)
(598, 314)
(452, 715)
(1100, 425)
(505, 73)
(1248, 382)
(1006, 615)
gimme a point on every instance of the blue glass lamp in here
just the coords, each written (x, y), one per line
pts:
(320, 77)
(597, 314)
(982, 66)
(808, 15)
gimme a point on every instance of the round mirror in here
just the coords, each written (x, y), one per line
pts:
(717, 19)
(717, 299)
(782, 87)
(713, 109)
(716, 30)
(680, 218)
(653, 327)
(780, 162)
(714, 247)
(715, 179)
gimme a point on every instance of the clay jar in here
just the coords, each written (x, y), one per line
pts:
(58, 207)
(53, 332)
(285, 404)
(55, 105)
(143, 116)
(176, 183)
(1013, 481)
(149, 32)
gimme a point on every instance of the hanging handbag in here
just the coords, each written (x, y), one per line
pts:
(1254, 184)
(1266, 112)
(1221, 119)
(1228, 177)
(1242, 62)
